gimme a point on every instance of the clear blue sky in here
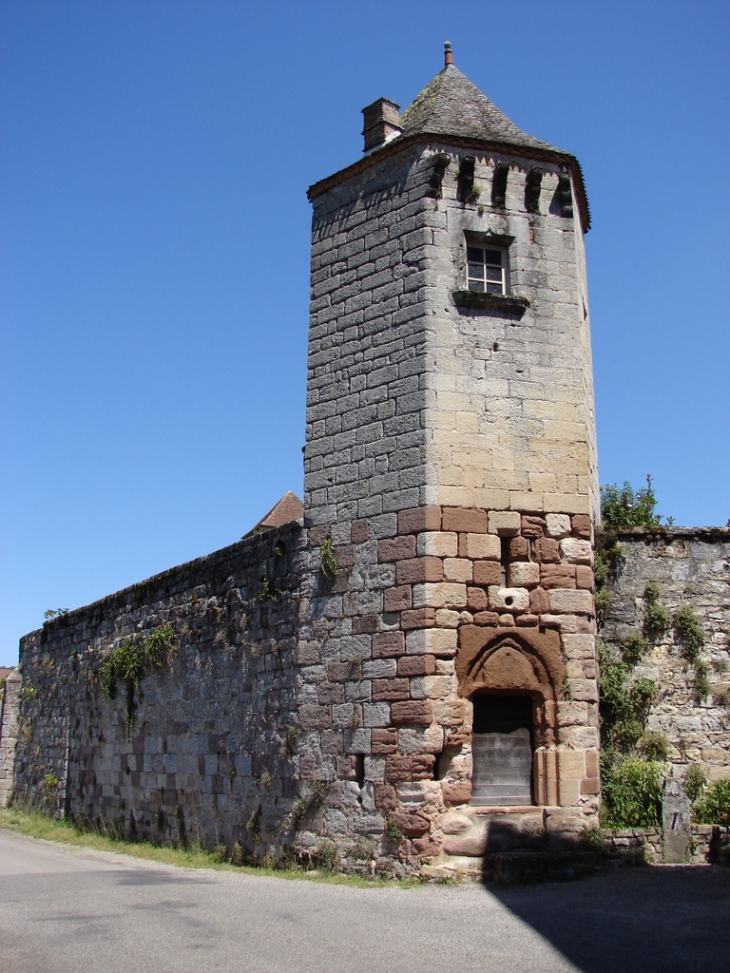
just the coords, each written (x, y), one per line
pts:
(155, 236)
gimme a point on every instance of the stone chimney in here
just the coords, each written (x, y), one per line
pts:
(381, 123)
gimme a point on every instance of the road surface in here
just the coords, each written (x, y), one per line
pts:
(67, 910)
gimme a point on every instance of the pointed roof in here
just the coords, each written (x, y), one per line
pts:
(290, 508)
(452, 105)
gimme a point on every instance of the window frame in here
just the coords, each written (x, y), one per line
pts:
(487, 267)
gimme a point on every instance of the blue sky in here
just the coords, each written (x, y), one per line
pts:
(154, 262)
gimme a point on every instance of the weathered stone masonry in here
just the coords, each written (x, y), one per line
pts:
(437, 696)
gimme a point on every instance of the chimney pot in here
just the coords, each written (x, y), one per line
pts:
(381, 123)
(448, 55)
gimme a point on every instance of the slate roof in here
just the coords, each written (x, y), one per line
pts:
(452, 105)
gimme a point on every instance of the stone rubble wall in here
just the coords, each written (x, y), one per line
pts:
(689, 566)
(9, 734)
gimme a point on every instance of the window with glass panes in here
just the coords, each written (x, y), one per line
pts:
(486, 270)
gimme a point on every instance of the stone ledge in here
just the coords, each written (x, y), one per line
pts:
(483, 301)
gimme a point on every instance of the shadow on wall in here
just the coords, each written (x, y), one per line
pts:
(633, 920)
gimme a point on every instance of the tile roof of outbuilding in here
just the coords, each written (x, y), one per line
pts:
(452, 105)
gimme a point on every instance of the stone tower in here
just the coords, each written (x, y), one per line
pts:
(451, 459)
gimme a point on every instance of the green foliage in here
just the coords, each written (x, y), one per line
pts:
(688, 632)
(626, 507)
(392, 831)
(270, 591)
(624, 706)
(130, 662)
(714, 806)
(633, 648)
(632, 793)
(702, 683)
(51, 782)
(602, 601)
(694, 781)
(313, 798)
(656, 616)
(655, 745)
(328, 560)
(54, 613)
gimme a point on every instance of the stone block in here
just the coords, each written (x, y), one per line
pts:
(411, 823)
(488, 619)
(582, 526)
(447, 594)
(457, 569)
(584, 577)
(376, 714)
(397, 548)
(523, 574)
(418, 618)
(448, 618)
(590, 785)
(365, 624)
(557, 576)
(330, 692)
(421, 739)
(509, 599)
(397, 599)
(568, 601)
(414, 712)
(576, 551)
(388, 644)
(409, 767)
(568, 792)
(527, 621)
(473, 846)
(359, 531)
(418, 519)
(416, 665)
(485, 547)
(434, 641)
(557, 525)
(384, 741)
(532, 526)
(505, 523)
(432, 687)
(390, 689)
(476, 599)
(571, 764)
(463, 519)
(592, 763)
(449, 712)
(421, 569)
(487, 573)
(437, 543)
(519, 549)
(546, 550)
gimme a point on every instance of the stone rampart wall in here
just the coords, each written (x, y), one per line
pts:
(689, 567)
(209, 755)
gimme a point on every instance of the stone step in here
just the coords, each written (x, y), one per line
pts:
(511, 867)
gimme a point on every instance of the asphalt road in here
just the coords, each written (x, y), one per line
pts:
(67, 910)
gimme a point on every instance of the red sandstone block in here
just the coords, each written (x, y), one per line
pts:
(397, 599)
(364, 624)
(418, 618)
(557, 575)
(343, 671)
(388, 644)
(345, 556)
(547, 550)
(390, 689)
(414, 712)
(359, 531)
(590, 785)
(464, 519)
(592, 763)
(584, 577)
(419, 569)
(476, 599)
(319, 534)
(487, 618)
(456, 792)
(539, 601)
(307, 767)
(533, 527)
(411, 823)
(330, 692)
(384, 742)
(331, 742)
(581, 524)
(527, 621)
(426, 848)
(385, 797)
(397, 548)
(519, 549)
(314, 717)
(417, 767)
(345, 768)
(416, 665)
(487, 573)
(417, 519)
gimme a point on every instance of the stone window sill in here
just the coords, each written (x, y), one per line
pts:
(483, 301)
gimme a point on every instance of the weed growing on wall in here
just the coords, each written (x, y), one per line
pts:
(688, 633)
(656, 617)
(328, 560)
(131, 661)
(627, 508)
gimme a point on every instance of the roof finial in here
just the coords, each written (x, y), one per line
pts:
(448, 56)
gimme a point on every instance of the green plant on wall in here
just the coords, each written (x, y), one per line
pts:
(269, 589)
(130, 661)
(627, 508)
(632, 793)
(656, 616)
(328, 560)
(688, 633)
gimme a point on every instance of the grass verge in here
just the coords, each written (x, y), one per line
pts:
(37, 825)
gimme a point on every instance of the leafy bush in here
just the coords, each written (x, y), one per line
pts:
(130, 661)
(634, 646)
(714, 806)
(655, 745)
(626, 507)
(624, 707)
(694, 781)
(656, 616)
(632, 793)
(688, 633)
